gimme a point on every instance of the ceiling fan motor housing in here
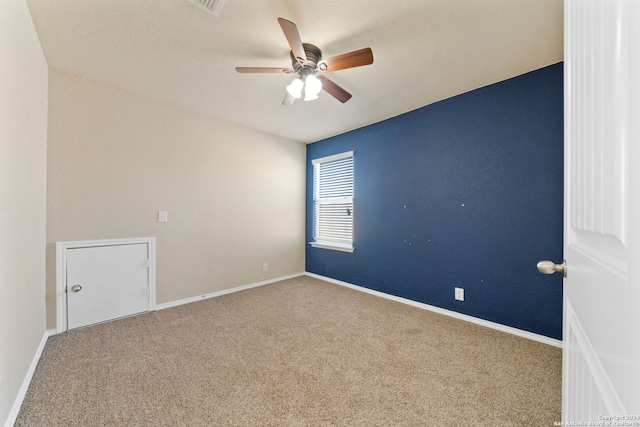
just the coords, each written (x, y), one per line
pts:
(314, 55)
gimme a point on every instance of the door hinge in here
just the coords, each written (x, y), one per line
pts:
(147, 263)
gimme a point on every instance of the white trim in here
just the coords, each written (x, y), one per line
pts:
(61, 271)
(503, 328)
(332, 157)
(331, 245)
(17, 403)
(224, 292)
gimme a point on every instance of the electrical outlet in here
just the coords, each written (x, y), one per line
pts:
(265, 267)
(459, 294)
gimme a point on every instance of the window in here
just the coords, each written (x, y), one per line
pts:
(333, 202)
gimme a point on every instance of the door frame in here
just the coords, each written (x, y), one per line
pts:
(61, 271)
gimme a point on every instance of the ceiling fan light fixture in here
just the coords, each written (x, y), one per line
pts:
(310, 97)
(295, 88)
(313, 86)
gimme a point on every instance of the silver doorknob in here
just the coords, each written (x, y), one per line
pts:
(76, 288)
(549, 267)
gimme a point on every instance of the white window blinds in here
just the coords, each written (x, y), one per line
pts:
(333, 202)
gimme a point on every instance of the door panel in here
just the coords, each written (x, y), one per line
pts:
(114, 283)
(601, 373)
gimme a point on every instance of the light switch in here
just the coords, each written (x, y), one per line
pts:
(163, 216)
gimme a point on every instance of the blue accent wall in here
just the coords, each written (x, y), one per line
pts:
(466, 192)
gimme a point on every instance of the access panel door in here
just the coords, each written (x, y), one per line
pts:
(106, 282)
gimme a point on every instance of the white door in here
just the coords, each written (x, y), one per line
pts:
(106, 282)
(601, 369)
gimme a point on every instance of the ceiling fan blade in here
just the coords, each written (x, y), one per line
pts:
(353, 59)
(293, 37)
(288, 99)
(263, 70)
(334, 90)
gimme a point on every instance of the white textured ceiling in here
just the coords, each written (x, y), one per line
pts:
(424, 51)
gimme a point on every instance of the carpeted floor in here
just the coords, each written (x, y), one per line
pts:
(300, 352)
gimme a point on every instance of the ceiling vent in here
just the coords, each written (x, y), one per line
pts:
(211, 6)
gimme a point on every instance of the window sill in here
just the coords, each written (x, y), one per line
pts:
(332, 246)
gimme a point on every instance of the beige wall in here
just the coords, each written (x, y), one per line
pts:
(235, 197)
(23, 151)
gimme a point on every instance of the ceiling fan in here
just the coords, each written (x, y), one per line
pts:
(306, 62)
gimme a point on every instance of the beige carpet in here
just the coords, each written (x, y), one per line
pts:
(300, 352)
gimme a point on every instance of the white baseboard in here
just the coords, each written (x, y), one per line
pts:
(515, 331)
(223, 292)
(17, 403)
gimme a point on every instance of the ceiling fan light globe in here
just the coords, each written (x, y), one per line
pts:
(309, 97)
(295, 88)
(313, 86)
